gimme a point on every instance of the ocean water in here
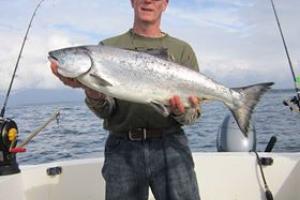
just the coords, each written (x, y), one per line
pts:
(79, 133)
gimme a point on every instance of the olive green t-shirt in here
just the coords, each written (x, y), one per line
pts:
(128, 115)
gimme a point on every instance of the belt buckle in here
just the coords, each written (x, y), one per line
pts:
(144, 136)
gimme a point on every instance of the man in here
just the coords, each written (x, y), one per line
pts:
(145, 149)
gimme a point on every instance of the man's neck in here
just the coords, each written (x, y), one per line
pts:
(147, 30)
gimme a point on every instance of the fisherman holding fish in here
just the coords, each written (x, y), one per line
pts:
(146, 85)
(144, 148)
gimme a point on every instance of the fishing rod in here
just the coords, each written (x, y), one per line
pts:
(287, 54)
(20, 148)
(18, 60)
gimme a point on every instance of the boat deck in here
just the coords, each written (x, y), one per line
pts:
(223, 176)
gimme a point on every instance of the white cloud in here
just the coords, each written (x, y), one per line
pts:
(236, 41)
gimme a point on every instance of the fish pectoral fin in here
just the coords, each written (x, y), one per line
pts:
(100, 80)
(160, 108)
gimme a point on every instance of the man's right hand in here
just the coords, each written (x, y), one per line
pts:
(94, 95)
(76, 84)
(67, 81)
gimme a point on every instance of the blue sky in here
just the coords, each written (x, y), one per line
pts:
(236, 41)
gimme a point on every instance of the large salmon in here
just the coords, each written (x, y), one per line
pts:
(143, 78)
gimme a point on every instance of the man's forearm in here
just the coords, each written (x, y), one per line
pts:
(103, 108)
(188, 117)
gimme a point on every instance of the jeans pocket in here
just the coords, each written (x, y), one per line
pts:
(112, 144)
(180, 142)
(111, 150)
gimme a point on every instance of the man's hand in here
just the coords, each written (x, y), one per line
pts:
(67, 81)
(92, 94)
(177, 106)
(76, 84)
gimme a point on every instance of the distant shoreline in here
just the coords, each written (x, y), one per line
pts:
(62, 96)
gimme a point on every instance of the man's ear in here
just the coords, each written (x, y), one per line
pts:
(132, 1)
(166, 2)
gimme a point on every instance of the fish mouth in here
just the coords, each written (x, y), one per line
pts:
(53, 59)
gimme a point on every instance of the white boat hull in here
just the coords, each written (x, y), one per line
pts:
(222, 176)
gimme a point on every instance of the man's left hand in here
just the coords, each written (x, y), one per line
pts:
(177, 106)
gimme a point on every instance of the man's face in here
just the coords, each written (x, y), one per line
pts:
(149, 10)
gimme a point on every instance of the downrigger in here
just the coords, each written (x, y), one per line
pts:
(8, 150)
(8, 143)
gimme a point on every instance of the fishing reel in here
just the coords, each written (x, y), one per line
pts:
(8, 141)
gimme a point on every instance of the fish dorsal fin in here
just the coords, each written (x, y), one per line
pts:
(161, 53)
(100, 81)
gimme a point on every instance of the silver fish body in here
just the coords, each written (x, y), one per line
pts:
(143, 78)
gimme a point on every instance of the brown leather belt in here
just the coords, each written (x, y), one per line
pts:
(139, 134)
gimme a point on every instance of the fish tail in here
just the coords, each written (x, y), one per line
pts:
(250, 97)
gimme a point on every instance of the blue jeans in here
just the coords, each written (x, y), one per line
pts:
(163, 164)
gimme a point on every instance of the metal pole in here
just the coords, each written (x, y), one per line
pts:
(287, 53)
